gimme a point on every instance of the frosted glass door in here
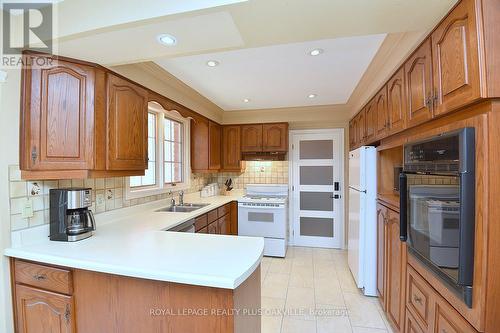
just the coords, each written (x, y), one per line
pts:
(316, 189)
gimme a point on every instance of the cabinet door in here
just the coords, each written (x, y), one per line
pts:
(251, 138)
(382, 119)
(127, 125)
(233, 224)
(214, 132)
(371, 120)
(275, 137)
(455, 59)
(58, 117)
(418, 80)
(231, 148)
(396, 102)
(352, 140)
(362, 127)
(43, 311)
(223, 225)
(448, 320)
(213, 227)
(396, 271)
(381, 236)
(199, 144)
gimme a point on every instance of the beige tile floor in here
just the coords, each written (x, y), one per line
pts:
(312, 290)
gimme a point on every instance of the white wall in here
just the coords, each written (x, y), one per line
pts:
(10, 93)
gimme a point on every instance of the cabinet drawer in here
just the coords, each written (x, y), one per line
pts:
(212, 216)
(418, 296)
(411, 325)
(45, 277)
(221, 211)
(200, 222)
(448, 320)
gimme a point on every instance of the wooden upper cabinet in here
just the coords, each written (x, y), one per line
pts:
(381, 253)
(418, 80)
(214, 132)
(395, 259)
(352, 137)
(382, 118)
(251, 138)
(231, 148)
(199, 144)
(57, 117)
(370, 113)
(127, 125)
(361, 127)
(456, 59)
(275, 137)
(43, 311)
(396, 102)
(206, 137)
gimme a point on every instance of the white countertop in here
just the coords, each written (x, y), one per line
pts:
(134, 244)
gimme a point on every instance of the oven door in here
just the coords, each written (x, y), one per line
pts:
(432, 220)
(260, 220)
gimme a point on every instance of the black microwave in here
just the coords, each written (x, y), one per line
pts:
(437, 206)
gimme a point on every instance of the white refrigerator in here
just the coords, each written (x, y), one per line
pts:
(362, 228)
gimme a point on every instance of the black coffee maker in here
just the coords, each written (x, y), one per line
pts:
(70, 217)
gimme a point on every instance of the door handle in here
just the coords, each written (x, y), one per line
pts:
(336, 196)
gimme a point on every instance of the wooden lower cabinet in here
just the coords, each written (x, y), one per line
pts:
(429, 311)
(391, 266)
(222, 221)
(212, 228)
(43, 311)
(411, 325)
(381, 236)
(103, 302)
(396, 271)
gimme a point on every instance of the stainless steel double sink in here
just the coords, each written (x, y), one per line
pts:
(184, 208)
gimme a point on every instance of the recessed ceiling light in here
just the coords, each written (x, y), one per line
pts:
(246, 100)
(166, 39)
(212, 63)
(316, 52)
(312, 95)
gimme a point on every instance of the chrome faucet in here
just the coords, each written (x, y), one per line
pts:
(172, 201)
(181, 198)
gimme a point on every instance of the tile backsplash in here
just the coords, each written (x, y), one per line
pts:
(256, 172)
(109, 193)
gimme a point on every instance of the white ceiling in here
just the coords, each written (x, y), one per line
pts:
(262, 45)
(280, 75)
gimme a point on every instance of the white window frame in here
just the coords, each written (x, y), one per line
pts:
(160, 187)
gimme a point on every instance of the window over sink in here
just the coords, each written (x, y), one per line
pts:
(168, 155)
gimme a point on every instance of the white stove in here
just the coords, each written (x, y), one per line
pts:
(263, 212)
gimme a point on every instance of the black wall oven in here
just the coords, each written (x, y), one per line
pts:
(437, 206)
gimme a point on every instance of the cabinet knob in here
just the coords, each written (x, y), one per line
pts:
(417, 299)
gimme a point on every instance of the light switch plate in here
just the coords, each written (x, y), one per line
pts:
(27, 210)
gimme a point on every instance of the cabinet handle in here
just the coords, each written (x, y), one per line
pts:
(428, 102)
(34, 155)
(40, 277)
(417, 299)
(67, 314)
